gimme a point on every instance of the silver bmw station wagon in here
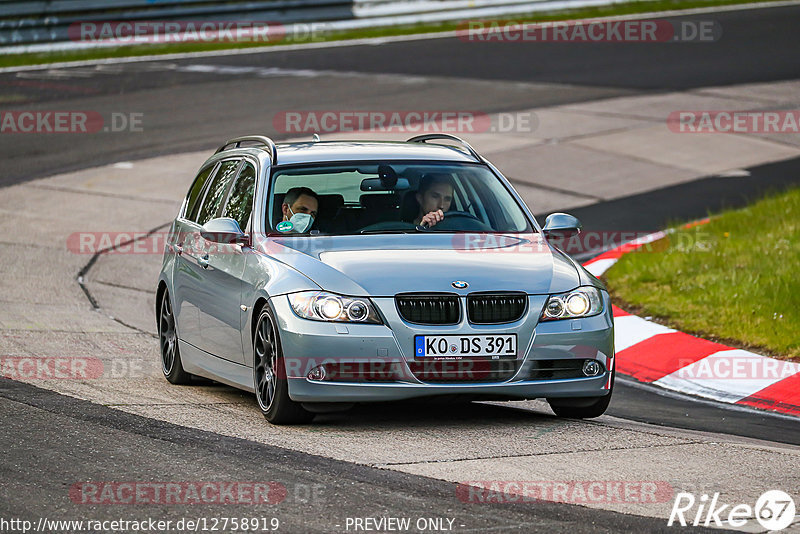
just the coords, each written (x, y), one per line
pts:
(323, 274)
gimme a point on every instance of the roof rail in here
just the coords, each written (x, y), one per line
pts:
(446, 137)
(263, 141)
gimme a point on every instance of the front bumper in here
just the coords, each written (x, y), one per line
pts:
(307, 344)
(304, 390)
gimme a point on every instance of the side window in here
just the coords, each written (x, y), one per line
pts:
(194, 197)
(240, 200)
(215, 192)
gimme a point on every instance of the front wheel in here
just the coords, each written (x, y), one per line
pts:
(269, 376)
(171, 363)
(582, 407)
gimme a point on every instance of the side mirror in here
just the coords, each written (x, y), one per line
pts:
(561, 225)
(223, 230)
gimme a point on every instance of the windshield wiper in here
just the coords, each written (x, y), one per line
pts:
(388, 231)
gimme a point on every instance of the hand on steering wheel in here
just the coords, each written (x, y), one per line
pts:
(432, 218)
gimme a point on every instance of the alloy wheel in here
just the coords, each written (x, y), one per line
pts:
(167, 335)
(266, 359)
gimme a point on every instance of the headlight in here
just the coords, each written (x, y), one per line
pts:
(324, 306)
(582, 302)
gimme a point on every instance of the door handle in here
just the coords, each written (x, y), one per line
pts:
(203, 261)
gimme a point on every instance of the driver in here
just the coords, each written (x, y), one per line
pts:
(434, 195)
(300, 205)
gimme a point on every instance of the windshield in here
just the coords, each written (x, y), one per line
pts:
(391, 197)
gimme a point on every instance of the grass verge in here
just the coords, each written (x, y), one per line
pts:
(734, 279)
(626, 8)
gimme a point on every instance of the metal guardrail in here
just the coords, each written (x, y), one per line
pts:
(383, 8)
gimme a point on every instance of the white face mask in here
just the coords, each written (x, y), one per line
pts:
(301, 221)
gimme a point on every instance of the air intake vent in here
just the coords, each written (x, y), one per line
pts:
(466, 370)
(484, 308)
(428, 308)
(556, 369)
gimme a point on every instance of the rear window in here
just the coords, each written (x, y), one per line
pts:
(194, 196)
(240, 199)
(215, 192)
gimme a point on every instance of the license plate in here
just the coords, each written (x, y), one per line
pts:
(494, 346)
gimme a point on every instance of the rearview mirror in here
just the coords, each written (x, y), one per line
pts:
(223, 230)
(561, 225)
(378, 184)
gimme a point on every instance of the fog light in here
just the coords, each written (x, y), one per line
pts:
(591, 368)
(317, 373)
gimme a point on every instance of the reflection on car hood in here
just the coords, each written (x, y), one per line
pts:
(387, 264)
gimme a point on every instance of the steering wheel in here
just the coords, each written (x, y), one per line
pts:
(461, 214)
(460, 220)
(388, 226)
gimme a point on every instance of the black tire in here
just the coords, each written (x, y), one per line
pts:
(582, 407)
(171, 363)
(269, 375)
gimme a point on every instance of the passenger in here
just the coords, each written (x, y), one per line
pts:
(434, 196)
(300, 205)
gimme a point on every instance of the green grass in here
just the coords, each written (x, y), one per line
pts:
(627, 8)
(735, 279)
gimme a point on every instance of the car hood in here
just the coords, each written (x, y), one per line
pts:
(386, 264)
